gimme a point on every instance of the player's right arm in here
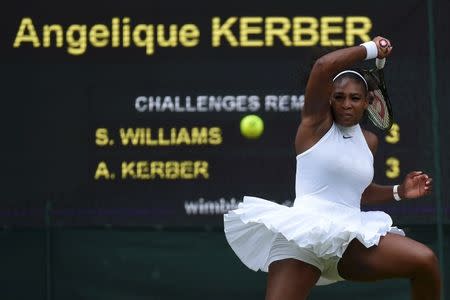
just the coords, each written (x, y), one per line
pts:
(316, 113)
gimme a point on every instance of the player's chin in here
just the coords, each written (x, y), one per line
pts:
(347, 122)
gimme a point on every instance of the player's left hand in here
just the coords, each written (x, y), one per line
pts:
(416, 184)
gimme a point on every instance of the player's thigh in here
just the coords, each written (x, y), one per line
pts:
(395, 256)
(290, 279)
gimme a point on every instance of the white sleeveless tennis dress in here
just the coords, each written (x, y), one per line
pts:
(326, 216)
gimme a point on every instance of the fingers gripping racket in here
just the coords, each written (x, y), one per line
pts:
(380, 109)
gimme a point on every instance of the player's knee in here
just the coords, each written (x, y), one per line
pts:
(427, 261)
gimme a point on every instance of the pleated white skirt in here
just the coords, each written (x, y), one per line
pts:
(322, 228)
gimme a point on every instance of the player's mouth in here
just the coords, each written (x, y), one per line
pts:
(347, 115)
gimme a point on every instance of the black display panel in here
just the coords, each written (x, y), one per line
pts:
(129, 114)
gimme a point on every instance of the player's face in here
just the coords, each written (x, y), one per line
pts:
(348, 101)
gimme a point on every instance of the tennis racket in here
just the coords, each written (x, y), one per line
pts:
(380, 109)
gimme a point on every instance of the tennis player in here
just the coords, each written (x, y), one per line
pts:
(325, 237)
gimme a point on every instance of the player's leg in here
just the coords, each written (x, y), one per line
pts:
(394, 257)
(290, 279)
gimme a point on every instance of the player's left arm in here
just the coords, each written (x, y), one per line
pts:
(416, 184)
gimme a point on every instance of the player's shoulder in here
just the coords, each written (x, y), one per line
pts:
(371, 139)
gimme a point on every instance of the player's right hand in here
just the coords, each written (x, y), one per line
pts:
(384, 46)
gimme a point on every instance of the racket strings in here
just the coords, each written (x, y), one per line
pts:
(379, 110)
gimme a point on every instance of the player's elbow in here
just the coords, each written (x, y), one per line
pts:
(324, 65)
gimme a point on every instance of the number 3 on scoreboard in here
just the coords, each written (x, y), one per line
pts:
(393, 168)
(393, 136)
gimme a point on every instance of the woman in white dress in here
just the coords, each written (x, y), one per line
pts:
(325, 237)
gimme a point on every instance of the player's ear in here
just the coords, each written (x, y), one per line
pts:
(370, 97)
(367, 101)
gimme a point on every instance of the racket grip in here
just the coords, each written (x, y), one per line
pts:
(380, 63)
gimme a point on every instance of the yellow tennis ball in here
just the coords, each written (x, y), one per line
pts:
(252, 126)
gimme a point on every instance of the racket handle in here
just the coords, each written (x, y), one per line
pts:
(380, 63)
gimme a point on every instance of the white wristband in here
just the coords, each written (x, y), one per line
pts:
(371, 49)
(395, 192)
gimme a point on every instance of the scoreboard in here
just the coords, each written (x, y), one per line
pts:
(135, 109)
